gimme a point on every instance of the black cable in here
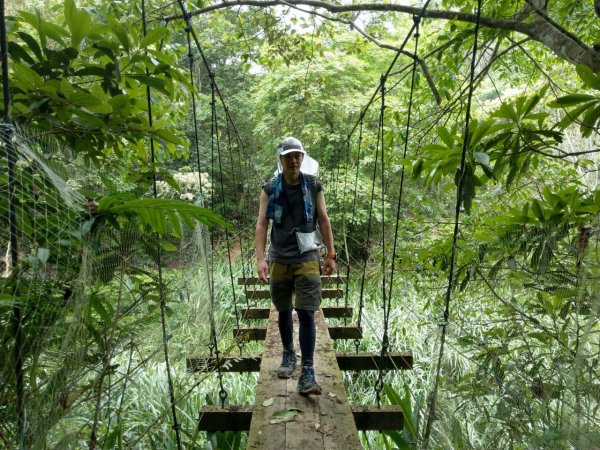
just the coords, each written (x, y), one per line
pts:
(385, 339)
(159, 261)
(444, 325)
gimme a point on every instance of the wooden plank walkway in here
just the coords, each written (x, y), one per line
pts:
(325, 421)
(346, 361)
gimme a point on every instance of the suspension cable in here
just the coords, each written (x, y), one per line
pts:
(385, 339)
(159, 259)
(362, 284)
(444, 325)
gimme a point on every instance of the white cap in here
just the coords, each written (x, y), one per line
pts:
(289, 145)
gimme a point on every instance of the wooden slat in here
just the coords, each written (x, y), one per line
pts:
(256, 294)
(260, 333)
(199, 363)
(326, 421)
(262, 312)
(345, 332)
(238, 418)
(325, 279)
(374, 361)
(388, 417)
(346, 361)
(230, 418)
(250, 333)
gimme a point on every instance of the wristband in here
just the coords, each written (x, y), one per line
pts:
(332, 256)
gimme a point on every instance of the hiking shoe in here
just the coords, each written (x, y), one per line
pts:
(307, 383)
(288, 364)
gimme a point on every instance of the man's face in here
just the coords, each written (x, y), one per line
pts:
(291, 162)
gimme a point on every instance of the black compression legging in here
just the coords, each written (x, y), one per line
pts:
(307, 334)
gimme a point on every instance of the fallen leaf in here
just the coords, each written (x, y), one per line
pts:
(317, 426)
(331, 395)
(284, 415)
(268, 402)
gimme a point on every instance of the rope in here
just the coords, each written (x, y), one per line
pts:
(444, 325)
(361, 303)
(159, 261)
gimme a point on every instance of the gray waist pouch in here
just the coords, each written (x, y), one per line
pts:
(308, 242)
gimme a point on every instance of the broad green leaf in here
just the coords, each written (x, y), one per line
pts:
(480, 131)
(25, 74)
(17, 52)
(506, 111)
(167, 246)
(268, 402)
(572, 115)
(153, 82)
(153, 36)
(120, 32)
(284, 415)
(481, 158)
(32, 44)
(589, 121)
(78, 21)
(571, 100)
(54, 32)
(445, 136)
(588, 76)
(538, 211)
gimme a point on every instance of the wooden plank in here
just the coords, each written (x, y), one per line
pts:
(260, 333)
(256, 294)
(230, 418)
(346, 361)
(271, 388)
(199, 363)
(374, 361)
(238, 418)
(250, 333)
(262, 312)
(325, 279)
(387, 417)
(326, 421)
(345, 332)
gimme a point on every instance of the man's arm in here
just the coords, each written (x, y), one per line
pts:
(327, 233)
(260, 237)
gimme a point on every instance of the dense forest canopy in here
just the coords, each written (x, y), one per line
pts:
(470, 200)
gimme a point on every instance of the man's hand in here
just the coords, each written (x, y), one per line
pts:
(329, 266)
(263, 271)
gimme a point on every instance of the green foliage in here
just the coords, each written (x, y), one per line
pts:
(408, 438)
(161, 215)
(84, 81)
(583, 109)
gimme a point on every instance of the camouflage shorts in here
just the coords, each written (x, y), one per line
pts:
(302, 279)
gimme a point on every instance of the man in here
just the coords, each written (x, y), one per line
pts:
(294, 201)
